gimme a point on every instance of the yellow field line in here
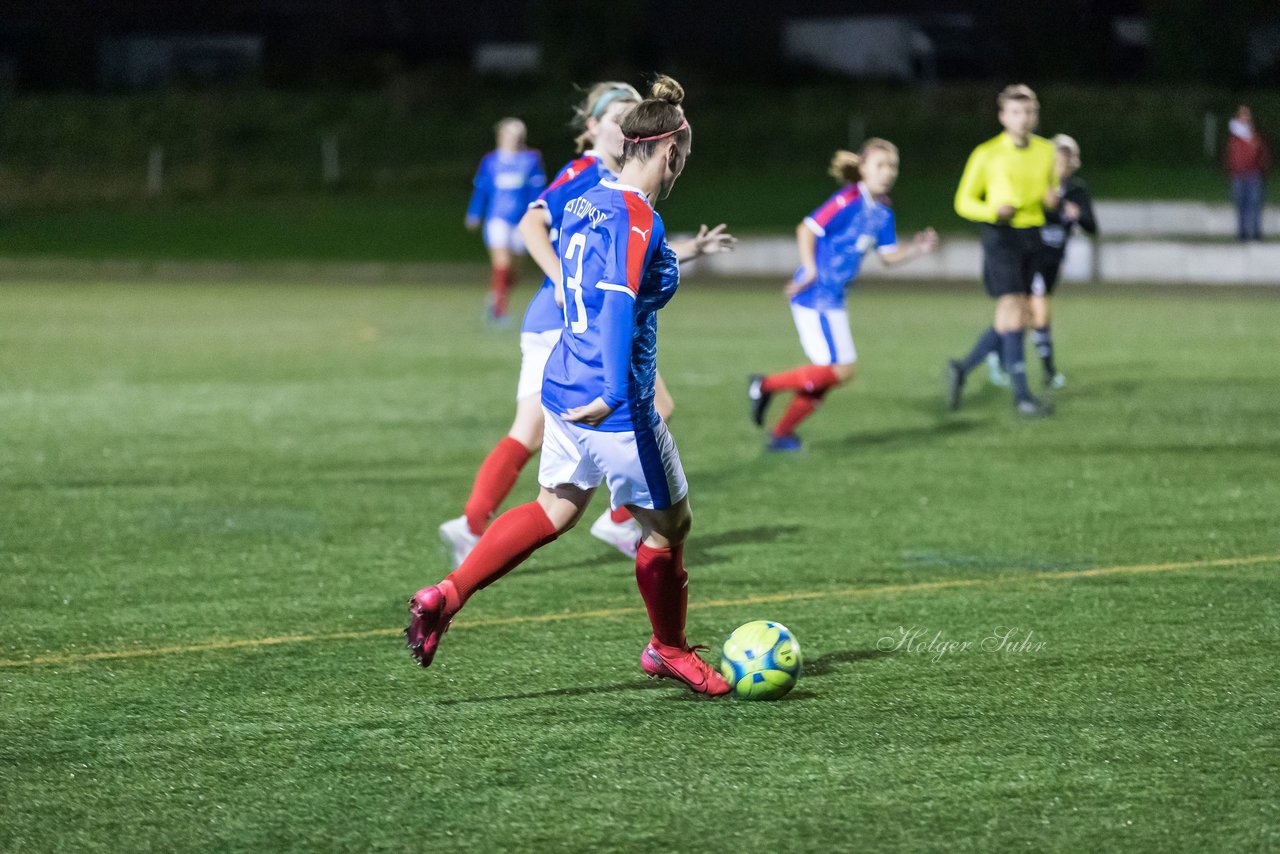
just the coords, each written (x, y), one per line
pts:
(845, 593)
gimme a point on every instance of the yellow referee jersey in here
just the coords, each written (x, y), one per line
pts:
(1000, 173)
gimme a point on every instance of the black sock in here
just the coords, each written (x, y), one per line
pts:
(988, 342)
(1011, 345)
(1043, 342)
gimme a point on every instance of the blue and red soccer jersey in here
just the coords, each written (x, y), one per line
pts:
(572, 181)
(618, 271)
(505, 184)
(847, 225)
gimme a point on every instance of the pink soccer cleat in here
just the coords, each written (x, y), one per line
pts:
(428, 620)
(667, 662)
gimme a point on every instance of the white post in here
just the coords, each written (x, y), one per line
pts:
(155, 171)
(330, 168)
(1210, 136)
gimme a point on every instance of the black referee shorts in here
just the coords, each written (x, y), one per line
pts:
(1009, 258)
(1048, 268)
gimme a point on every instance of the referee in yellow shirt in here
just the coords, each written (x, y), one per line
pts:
(1005, 187)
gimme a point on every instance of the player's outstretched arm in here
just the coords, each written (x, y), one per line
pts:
(705, 242)
(923, 243)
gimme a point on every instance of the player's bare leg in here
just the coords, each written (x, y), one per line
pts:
(616, 526)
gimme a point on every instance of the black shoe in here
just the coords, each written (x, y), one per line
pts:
(758, 397)
(955, 384)
(1033, 408)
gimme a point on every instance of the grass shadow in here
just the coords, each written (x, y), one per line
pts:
(833, 662)
(904, 436)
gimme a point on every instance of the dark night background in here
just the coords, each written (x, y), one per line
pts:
(58, 45)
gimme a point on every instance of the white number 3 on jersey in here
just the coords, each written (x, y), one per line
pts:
(577, 245)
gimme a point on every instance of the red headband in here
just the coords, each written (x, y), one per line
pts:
(684, 125)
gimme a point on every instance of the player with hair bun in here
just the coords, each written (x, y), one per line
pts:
(596, 120)
(832, 242)
(508, 179)
(598, 401)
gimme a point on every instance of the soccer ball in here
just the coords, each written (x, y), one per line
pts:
(761, 660)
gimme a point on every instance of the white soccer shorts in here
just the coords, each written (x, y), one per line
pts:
(640, 467)
(825, 335)
(500, 234)
(535, 349)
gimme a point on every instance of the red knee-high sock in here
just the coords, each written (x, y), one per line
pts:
(809, 378)
(494, 480)
(620, 515)
(501, 282)
(497, 276)
(510, 540)
(664, 586)
(802, 406)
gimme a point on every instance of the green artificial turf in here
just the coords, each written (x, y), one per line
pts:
(192, 477)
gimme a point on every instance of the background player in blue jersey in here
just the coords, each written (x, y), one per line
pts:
(597, 119)
(832, 242)
(509, 178)
(601, 425)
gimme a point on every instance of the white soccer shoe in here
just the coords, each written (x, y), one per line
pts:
(623, 536)
(458, 539)
(996, 371)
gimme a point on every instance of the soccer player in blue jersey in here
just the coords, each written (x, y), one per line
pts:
(832, 242)
(598, 399)
(509, 178)
(598, 120)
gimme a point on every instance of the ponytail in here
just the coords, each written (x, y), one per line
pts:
(846, 166)
(657, 117)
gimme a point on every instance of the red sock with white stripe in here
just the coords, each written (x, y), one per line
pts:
(510, 540)
(620, 515)
(494, 480)
(802, 406)
(664, 586)
(810, 378)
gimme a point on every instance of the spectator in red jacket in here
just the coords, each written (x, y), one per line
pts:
(1247, 160)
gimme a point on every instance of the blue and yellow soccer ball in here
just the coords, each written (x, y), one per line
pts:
(761, 660)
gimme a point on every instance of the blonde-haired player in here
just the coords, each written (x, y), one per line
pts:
(598, 400)
(832, 242)
(599, 142)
